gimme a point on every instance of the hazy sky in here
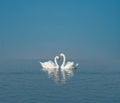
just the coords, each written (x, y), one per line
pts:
(86, 29)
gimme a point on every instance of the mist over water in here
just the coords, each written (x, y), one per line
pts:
(25, 81)
(88, 32)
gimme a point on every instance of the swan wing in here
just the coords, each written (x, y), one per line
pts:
(69, 64)
(51, 62)
(46, 64)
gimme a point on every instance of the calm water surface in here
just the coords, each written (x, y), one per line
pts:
(26, 82)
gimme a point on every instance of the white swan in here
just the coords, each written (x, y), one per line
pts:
(50, 64)
(68, 65)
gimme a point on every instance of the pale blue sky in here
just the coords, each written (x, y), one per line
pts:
(84, 29)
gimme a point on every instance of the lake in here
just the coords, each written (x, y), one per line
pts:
(24, 81)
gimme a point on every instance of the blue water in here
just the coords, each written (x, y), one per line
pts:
(24, 81)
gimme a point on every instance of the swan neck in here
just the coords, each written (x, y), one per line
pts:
(55, 60)
(64, 59)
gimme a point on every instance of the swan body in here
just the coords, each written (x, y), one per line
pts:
(50, 64)
(68, 65)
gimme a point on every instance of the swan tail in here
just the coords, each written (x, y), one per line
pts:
(41, 63)
(76, 66)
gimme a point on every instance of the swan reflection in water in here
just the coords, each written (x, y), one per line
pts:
(51, 72)
(60, 76)
(60, 73)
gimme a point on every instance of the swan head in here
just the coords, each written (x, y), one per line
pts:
(57, 57)
(62, 54)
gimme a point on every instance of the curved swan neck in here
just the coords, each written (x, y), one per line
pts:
(64, 59)
(55, 60)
